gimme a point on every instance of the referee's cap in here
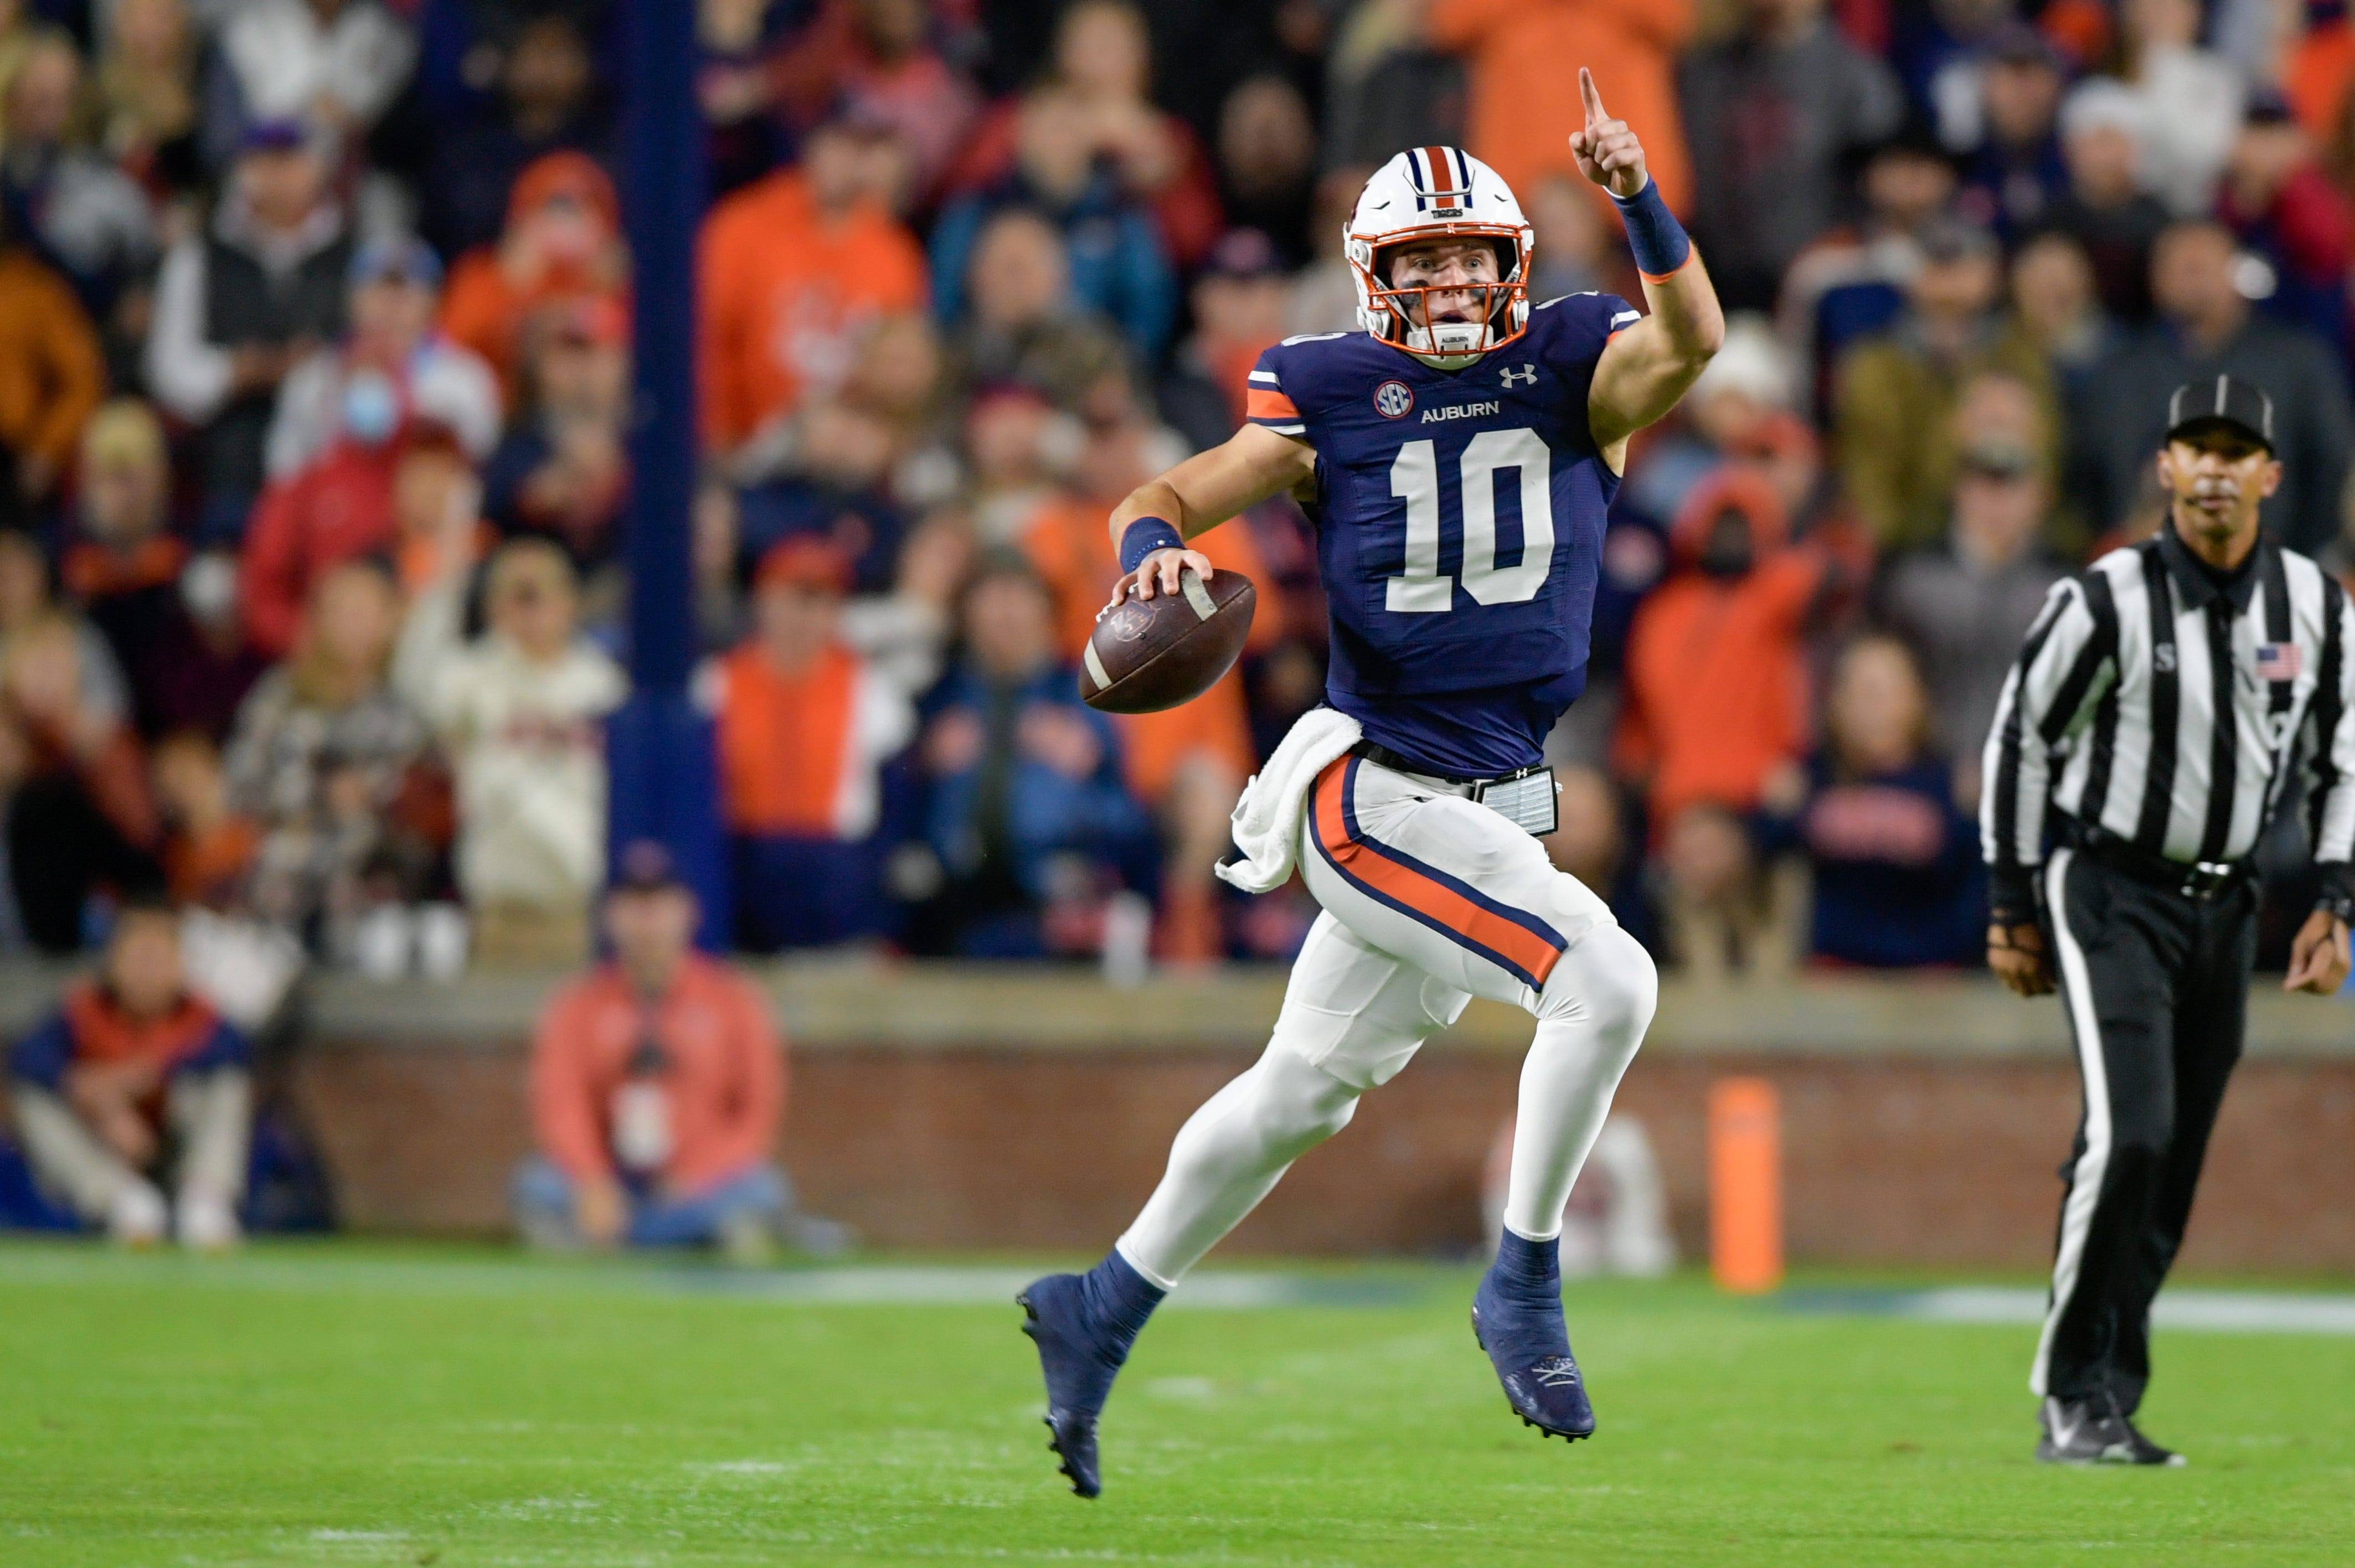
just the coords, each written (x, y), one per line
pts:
(2225, 401)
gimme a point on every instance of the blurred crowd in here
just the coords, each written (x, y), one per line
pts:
(315, 383)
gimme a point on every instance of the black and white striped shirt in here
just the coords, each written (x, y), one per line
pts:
(2153, 703)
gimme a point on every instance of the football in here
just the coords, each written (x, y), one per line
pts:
(1145, 656)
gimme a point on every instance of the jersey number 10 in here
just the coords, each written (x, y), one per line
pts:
(1414, 479)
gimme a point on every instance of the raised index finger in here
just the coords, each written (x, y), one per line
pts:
(1595, 113)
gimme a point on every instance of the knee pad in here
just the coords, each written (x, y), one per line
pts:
(1606, 978)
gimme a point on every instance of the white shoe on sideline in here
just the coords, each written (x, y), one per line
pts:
(207, 1224)
(136, 1217)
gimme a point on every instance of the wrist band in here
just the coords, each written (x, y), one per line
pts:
(1659, 241)
(1144, 537)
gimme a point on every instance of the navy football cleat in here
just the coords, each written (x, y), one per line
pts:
(1516, 1318)
(1083, 1326)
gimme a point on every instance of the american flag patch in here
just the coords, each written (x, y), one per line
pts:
(2279, 661)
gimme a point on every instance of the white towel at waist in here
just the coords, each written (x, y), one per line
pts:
(1267, 817)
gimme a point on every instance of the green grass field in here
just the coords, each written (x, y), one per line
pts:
(369, 1405)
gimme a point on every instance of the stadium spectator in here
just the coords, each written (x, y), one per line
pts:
(1521, 120)
(1573, 249)
(658, 1091)
(1023, 325)
(1324, 292)
(1028, 819)
(1238, 300)
(1716, 672)
(1386, 87)
(2054, 299)
(240, 305)
(805, 723)
(203, 667)
(562, 469)
(2282, 207)
(146, 81)
(2105, 209)
(1851, 282)
(392, 367)
(1964, 606)
(1770, 113)
(52, 377)
(209, 846)
(1729, 913)
(1115, 256)
(135, 1085)
(1752, 379)
(1895, 858)
(1101, 73)
(562, 241)
(338, 63)
(794, 269)
(1591, 841)
(1267, 164)
(125, 565)
(2013, 171)
(520, 712)
(86, 215)
(322, 756)
(879, 56)
(29, 606)
(2189, 97)
(547, 100)
(338, 507)
(1898, 392)
(2208, 330)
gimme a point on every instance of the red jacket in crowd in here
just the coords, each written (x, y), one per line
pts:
(724, 1073)
(304, 527)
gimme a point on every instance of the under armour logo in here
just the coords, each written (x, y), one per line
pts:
(1521, 375)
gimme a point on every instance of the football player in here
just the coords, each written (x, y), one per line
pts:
(1457, 457)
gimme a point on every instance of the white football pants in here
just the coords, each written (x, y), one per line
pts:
(1429, 900)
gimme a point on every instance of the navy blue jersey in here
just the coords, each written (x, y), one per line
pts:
(1459, 517)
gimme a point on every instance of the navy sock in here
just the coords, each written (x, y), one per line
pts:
(1528, 1273)
(1118, 1299)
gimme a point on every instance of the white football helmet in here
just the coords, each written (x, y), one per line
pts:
(1429, 193)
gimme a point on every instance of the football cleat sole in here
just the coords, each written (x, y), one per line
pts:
(1071, 1463)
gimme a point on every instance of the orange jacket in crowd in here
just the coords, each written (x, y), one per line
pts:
(1716, 683)
(1524, 57)
(306, 525)
(494, 289)
(786, 293)
(1068, 542)
(52, 374)
(726, 1080)
(786, 743)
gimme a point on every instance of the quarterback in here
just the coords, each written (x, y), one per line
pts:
(1457, 457)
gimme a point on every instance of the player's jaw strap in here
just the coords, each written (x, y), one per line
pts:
(1659, 241)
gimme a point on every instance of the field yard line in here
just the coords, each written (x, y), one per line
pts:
(2222, 1311)
(846, 1286)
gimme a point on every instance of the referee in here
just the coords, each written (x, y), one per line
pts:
(2143, 738)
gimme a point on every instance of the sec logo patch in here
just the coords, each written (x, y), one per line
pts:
(1394, 400)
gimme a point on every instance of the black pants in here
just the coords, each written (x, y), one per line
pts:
(2157, 986)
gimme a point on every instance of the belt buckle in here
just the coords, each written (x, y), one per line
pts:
(2205, 879)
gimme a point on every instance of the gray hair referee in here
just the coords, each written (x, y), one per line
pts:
(2144, 739)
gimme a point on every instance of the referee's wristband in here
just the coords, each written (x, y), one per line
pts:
(1659, 241)
(2012, 896)
(1144, 536)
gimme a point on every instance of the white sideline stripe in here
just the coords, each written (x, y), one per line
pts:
(2085, 1181)
(2210, 1311)
(858, 1285)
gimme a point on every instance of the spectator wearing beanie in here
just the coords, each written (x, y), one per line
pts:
(804, 726)
(242, 302)
(562, 241)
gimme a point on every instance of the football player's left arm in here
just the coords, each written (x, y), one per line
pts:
(1644, 370)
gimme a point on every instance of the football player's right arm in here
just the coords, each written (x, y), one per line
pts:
(1203, 492)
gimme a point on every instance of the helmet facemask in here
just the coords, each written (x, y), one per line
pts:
(1439, 195)
(1497, 313)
